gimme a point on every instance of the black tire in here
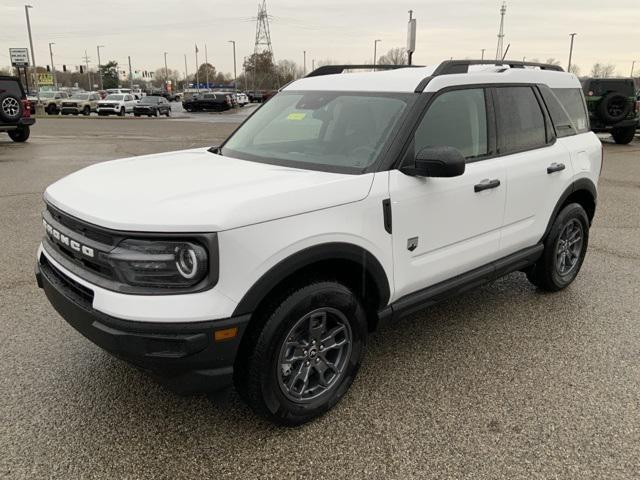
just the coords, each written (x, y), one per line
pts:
(547, 274)
(10, 107)
(259, 375)
(156, 113)
(623, 135)
(136, 114)
(122, 112)
(20, 134)
(168, 113)
(52, 110)
(614, 107)
(86, 111)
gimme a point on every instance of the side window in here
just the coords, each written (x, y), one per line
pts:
(521, 121)
(455, 119)
(572, 100)
(559, 116)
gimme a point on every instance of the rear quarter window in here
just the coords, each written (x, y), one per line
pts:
(573, 102)
(10, 86)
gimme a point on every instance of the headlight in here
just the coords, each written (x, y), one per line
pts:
(160, 263)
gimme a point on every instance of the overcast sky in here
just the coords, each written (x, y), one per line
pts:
(340, 30)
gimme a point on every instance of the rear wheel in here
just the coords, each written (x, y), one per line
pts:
(20, 134)
(299, 359)
(564, 250)
(623, 135)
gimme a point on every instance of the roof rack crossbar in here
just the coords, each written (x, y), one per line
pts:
(449, 67)
(333, 69)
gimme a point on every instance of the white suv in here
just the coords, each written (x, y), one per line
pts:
(116, 104)
(345, 199)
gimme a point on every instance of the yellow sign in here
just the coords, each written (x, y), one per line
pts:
(296, 116)
(45, 79)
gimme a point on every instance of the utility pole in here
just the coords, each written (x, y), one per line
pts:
(197, 72)
(304, 63)
(235, 76)
(571, 51)
(499, 53)
(86, 61)
(53, 68)
(99, 64)
(130, 74)
(633, 65)
(375, 55)
(411, 37)
(483, 54)
(166, 72)
(39, 108)
(186, 72)
(206, 64)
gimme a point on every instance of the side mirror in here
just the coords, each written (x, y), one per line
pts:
(437, 162)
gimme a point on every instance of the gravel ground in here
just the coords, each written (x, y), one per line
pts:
(503, 382)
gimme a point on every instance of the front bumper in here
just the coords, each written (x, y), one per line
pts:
(185, 357)
(108, 110)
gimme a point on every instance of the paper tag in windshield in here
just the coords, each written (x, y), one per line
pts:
(296, 116)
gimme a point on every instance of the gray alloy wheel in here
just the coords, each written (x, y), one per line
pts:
(314, 354)
(569, 247)
(11, 107)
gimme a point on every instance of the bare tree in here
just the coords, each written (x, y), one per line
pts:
(326, 61)
(552, 61)
(395, 56)
(601, 70)
(288, 70)
(575, 69)
(160, 76)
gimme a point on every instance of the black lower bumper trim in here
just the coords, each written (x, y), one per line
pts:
(183, 356)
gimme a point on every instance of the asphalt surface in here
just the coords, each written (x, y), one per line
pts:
(503, 382)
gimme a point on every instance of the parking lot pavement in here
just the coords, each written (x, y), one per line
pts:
(503, 382)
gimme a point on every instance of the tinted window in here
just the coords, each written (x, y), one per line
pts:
(573, 102)
(522, 124)
(455, 119)
(559, 116)
(10, 86)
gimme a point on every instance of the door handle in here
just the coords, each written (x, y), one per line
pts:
(555, 167)
(486, 185)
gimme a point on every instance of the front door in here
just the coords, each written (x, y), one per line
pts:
(443, 227)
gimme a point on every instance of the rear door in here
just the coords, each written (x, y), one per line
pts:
(538, 166)
(443, 227)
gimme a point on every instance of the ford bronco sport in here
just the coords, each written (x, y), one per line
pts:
(346, 199)
(612, 107)
(15, 109)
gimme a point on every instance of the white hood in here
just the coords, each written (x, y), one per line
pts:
(197, 191)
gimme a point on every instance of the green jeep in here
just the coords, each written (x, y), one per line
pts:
(612, 107)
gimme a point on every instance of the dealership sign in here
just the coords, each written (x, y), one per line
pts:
(45, 79)
(19, 57)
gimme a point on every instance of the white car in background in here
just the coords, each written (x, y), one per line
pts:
(242, 99)
(116, 104)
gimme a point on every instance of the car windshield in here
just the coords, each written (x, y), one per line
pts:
(150, 99)
(80, 96)
(336, 131)
(114, 97)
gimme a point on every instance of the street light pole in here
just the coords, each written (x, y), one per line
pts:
(304, 63)
(166, 72)
(235, 76)
(206, 64)
(53, 68)
(33, 60)
(483, 53)
(375, 45)
(571, 51)
(633, 65)
(186, 72)
(99, 64)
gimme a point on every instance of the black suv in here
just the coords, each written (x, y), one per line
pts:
(218, 102)
(612, 107)
(15, 114)
(152, 105)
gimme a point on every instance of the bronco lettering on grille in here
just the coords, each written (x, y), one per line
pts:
(62, 239)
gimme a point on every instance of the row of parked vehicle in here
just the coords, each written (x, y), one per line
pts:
(214, 101)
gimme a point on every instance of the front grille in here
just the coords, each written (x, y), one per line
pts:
(80, 227)
(70, 104)
(69, 287)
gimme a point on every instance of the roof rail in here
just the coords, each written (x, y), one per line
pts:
(449, 67)
(333, 69)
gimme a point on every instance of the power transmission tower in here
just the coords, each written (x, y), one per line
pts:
(499, 49)
(263, 36)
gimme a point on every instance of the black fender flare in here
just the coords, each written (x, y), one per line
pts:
(580, 184)
(308, 256)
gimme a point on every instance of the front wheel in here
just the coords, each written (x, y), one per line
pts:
(299, 359)
(623, 135)
(564, 250)
(86, 111)
(122, 112)
(20, 134)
